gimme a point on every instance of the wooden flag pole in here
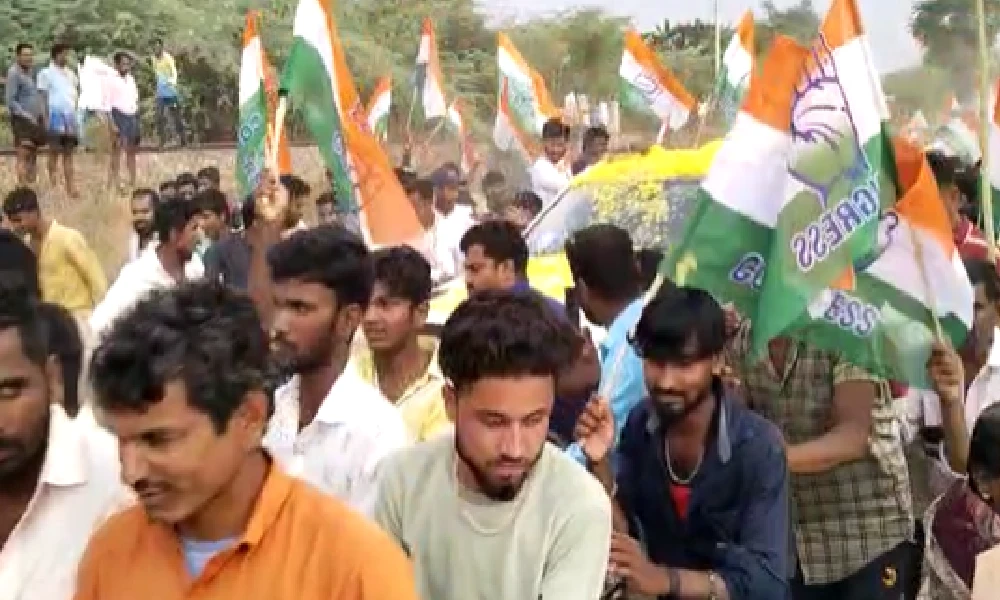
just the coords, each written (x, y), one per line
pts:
(279, 125)
(985, 118)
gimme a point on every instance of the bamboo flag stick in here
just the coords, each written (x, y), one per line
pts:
(279, 125)
(985, 118)
(409, 115)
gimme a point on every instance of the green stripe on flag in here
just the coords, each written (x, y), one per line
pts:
(251, 140)
(307, 84)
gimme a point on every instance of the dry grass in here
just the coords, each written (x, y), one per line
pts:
(104, 217)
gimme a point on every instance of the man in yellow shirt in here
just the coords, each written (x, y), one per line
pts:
(400, 362)
(69, 272)
(168, 103)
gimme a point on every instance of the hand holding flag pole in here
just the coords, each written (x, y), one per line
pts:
(279, 125)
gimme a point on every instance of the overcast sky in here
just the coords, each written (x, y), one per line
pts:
(885, 20)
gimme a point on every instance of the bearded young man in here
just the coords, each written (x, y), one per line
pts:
(493, 510)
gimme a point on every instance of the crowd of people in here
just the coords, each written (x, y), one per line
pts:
(257, 407)
(47, 109)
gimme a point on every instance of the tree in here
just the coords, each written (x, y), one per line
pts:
(800, 22)
(949, 32)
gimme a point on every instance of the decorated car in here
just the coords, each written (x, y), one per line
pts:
(649, 193)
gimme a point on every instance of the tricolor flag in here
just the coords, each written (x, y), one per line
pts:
(737, 65)
(647, 86)
(528, 97)
(508, 134)
(319, 85)
(379, 106)
(817, 226)
(958, 135)
(429, 80)
(271, 84)
(466, 146)
(992, 170)
(251, 136)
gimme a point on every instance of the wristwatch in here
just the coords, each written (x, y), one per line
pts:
(714, 585)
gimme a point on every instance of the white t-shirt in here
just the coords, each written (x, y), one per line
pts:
(550, 542)
(79, 488)
(124, 94)
(548, 179)
(444, 238)
(340, 452)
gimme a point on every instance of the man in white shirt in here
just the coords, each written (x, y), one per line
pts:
(330, 427)
(161, 265)
(59, 478)
(551, 172)
(451, 219)
(125, 129)
(924, 418)
(493, 510)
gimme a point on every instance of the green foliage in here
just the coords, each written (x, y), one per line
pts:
(949, 33)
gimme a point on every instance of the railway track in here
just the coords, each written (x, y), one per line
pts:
(206, 147)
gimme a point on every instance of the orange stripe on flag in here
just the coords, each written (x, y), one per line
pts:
(746, 31)
(545, 104)
(842, 23)
(919, 201)
(648, 59)
(996, 105)
(389, 216)
(769, 99)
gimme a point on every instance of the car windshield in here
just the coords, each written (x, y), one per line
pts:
(653, 212)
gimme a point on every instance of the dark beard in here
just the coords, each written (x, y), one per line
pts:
(502, 493)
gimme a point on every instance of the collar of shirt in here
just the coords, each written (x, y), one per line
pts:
(620, 328)
(365, 365)
(275, 491)
(65, 463)
(340, 404)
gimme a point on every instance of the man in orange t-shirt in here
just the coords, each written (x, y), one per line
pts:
(180, 381)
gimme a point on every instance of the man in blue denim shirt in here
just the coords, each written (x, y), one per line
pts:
(606, 273)
(701, 479)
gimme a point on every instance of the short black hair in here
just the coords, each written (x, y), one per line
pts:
(186, 179)
(119, 55)
(680, 324)
(985, 273)
(984, 444)
(404, 272)
(529, 201)
(66, 344)
(20, 200)
(297, 187)
(213, 201)
(210, 173)
(58, 48)
(154, 198)
(171, 215)
(18, 263)
(202, 334)
(592, 134)
(20, 310)
(424, 188)
(555, 129)
(326, 198)
(248, 211)
(406, 177)
(168, 185)
(602, 257)
(501, 240)
(329, 255)
(21, 47)
(504, 334)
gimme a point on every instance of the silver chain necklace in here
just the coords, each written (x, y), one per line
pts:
(670, 468)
